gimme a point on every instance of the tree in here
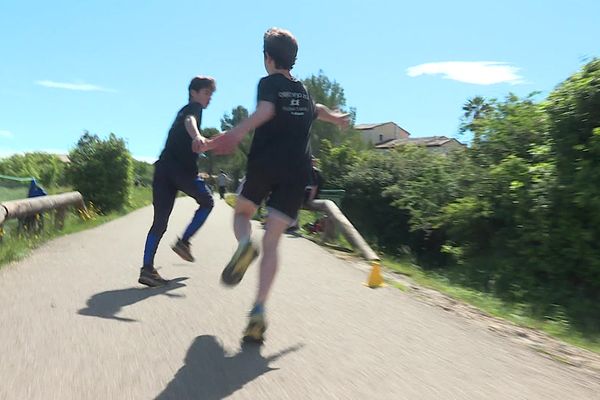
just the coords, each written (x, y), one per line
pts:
(476, 108)
(235, 164)
(207, 162)
(368, 208)
(102, 170)
(336, 162)
(331, 94)
(238, 114)
(509, 127)
(143, 173)
(574, 114)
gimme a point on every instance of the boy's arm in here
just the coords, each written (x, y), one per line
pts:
(334, 117)
(191, 126)
(225, 143)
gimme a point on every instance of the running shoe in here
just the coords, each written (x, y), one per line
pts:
(239, 263)
(182, 248)
(150, 277)
(255, 331)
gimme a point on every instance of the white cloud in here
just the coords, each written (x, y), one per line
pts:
(6, 134)
(85, 87)
(476, 72)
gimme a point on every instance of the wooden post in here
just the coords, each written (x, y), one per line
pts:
(345, 226)
(36, 205)
(3, 214)
(329, 229)
(59, 218)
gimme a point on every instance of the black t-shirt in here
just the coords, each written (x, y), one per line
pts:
(282, 144)
(179, 143)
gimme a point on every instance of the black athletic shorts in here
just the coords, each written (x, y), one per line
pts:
(283, 192)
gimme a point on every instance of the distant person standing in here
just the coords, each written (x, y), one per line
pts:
(177, 169)
(222, 180)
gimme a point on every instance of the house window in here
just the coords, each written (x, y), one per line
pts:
(381, 138)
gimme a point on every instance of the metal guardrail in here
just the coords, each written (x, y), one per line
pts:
(35, 205)
(336, 195)
(345, 226)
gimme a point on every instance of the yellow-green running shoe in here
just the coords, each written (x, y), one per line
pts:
(239, 263)
(256, 328)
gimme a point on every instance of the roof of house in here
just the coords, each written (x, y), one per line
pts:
(362, 127)
(430, 141)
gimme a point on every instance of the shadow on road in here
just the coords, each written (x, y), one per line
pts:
(108, 304)
(210, 374)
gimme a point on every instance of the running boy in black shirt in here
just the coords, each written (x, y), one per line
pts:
(279, 165)
(176, 169)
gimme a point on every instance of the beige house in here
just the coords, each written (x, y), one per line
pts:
(439, 144)
(380, 133)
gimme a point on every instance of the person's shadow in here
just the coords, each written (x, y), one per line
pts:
(108, 304)
(210, 374)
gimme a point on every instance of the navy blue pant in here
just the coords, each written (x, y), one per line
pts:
(168, 179)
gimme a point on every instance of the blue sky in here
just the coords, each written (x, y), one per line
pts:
(123, 66)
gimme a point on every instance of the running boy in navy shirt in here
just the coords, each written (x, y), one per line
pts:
(176, 169)
(279, 166)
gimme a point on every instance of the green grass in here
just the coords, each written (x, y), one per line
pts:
(14, 246)
(516, 313)
(13, 193)
(400, 286)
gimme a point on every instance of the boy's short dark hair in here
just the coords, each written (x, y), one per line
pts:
(282, 46)
(202, 82)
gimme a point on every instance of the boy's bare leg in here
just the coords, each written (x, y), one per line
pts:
(246, 251)
(244, 210)
(276, 224)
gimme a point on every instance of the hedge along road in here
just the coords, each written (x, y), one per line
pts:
(76, 325)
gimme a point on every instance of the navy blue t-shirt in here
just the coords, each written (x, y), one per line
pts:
(283, 143)
(178, 148)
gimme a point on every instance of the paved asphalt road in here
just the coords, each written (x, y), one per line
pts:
(74, 324)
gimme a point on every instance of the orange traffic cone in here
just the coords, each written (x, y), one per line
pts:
(375, 278)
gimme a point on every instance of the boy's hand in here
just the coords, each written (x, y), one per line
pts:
(223, 144)
(341, 119)
(333, 116)
(198, 144)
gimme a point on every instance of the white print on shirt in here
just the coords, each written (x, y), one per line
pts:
(294, 107)
(297, 95)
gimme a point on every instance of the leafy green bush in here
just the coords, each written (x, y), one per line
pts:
(48, 169)
(102, 170)
(143, 173)
(518, 211)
